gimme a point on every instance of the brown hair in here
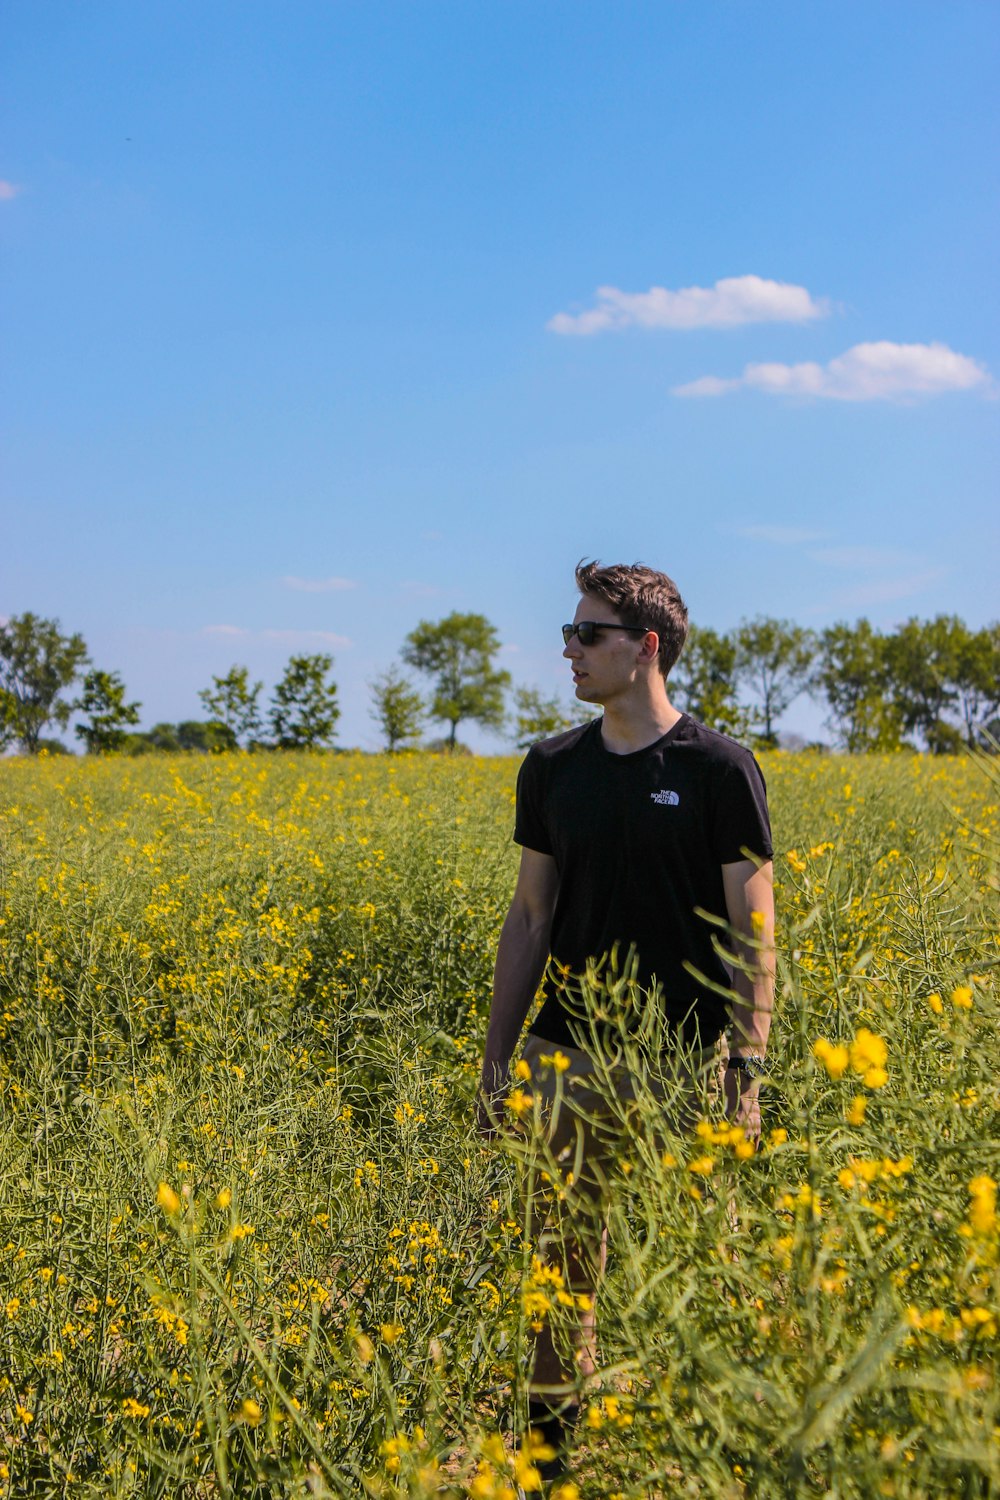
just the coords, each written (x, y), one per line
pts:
(640, 596)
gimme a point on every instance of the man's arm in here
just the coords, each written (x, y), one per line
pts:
(750, 907)
(521, 956)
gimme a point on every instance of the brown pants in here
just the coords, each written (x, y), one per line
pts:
(594, 1112)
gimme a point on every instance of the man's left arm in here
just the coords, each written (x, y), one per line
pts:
(749, 890)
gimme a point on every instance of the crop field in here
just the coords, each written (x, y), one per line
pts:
(250, 1244)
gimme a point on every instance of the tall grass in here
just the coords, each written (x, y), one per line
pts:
(250, 1244)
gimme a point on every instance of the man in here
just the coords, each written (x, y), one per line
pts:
(631, 828)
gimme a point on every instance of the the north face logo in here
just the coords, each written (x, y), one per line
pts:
(665, 799)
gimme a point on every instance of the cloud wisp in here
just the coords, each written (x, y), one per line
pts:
(862, 557)
(8, 190)
(876, 591)
(881, 371)
(782, 536)
(282, 637)
(318, 585)
(730, 303)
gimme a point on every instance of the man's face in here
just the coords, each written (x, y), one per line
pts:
(607, 667)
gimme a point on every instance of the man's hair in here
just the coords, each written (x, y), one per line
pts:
(640, 596)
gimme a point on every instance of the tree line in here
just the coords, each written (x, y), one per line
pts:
(929, 684)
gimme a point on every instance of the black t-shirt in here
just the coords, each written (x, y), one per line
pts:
(639, 841)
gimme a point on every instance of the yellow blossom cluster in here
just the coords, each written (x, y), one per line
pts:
(866, 1054)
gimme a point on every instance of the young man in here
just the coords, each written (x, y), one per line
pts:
(629, 826)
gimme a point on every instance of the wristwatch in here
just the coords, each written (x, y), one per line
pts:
(752, 1067)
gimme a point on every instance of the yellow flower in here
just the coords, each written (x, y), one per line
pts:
(702, 1165)
(875, 1078)
(935, 1002)
(390, 1332)
(961, 997)
(983, 1208)
(224, 1198)
(133, 1408)
(23, 1414)
(834, 1057)
(523, 1071)
(167, 1199)
(518, 1102)
(868, 1053)
(856, 1113)
(560, 1062)
(846, 1178)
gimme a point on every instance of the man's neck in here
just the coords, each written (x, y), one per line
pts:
(632, 725)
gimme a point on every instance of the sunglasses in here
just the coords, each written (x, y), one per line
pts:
(586, 630)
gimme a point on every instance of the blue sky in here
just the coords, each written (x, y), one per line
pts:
(305, 339)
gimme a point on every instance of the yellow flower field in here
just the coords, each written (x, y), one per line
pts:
(250, 1244)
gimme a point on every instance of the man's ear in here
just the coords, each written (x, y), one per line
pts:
(649, 648)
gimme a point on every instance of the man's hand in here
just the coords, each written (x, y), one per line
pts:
(743, 1101)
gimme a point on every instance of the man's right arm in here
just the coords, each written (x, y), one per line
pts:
(521, 957)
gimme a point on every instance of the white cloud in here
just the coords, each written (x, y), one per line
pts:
(730, 302)
(285, 637)
(319, 585)
(306, 637)
(782, 536)
(8, 190)
(863, 557)
(420, 590)
(881, 591)
(880, 371)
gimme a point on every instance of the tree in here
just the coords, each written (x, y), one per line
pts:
(775, 660)
(37, 664)
(458, 653)
(103, 699)
(233, 702)
(304, 709)
(922, 661)
(207, 736)
(397, 708)
(854, 674)
(977, 681)
(537, 717)
(705, 677)
(160, 737)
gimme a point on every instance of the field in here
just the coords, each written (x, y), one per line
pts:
(251, 1246)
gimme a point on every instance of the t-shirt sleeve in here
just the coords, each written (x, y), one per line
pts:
(530, 829)
(740, 817)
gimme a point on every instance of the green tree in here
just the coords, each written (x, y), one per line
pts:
(458, 653)
(103, 700)
(922, 659)
(207, 736)
(854, 674)
(705, 680)
(233, 702)
(537, 717)
(774, 658)
(397, 708)
(37, 664)
(160, 737)
(304, 709)
(977, 681)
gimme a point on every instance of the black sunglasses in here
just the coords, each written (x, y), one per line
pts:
(586, 628)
